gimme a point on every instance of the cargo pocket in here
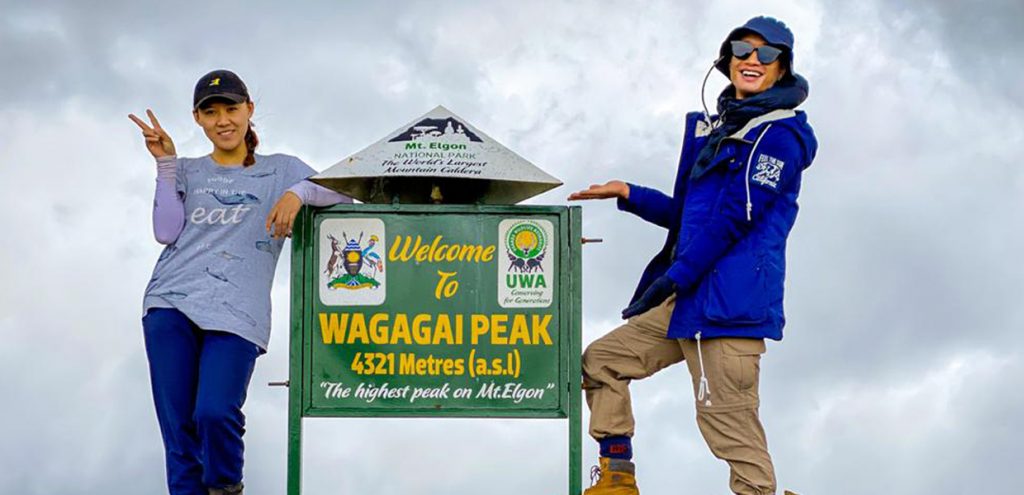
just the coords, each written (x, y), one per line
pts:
(741, 365)
(737, 293)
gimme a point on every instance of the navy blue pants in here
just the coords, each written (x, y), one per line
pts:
(199, 380)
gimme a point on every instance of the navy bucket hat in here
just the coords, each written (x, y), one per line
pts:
(774, 32)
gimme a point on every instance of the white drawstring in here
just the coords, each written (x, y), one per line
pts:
(746, 179)
(705, 389)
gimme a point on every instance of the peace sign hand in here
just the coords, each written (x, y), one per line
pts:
(157, 141)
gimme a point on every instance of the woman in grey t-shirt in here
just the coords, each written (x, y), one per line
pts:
(206, 312)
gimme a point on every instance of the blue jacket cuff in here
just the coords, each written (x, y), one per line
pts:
(630, 204)
(681, 275)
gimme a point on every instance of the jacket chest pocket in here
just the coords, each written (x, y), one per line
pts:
(739, 153)
(737, 292)
(727, 157)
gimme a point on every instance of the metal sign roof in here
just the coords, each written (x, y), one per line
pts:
(438, 158)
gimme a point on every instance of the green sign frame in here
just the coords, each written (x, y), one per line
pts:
(312, 359)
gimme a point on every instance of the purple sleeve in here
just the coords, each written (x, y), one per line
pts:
(316, 195)
(168, 205)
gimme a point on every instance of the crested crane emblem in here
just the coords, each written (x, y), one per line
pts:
(352, 264)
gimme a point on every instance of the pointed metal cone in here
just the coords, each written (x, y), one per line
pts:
(438, 158)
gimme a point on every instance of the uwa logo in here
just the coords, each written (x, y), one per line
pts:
(524, 282)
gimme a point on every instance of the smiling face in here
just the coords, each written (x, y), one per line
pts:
(225, 124)
(749, 75)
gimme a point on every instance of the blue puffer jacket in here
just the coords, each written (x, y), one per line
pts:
(726, 245)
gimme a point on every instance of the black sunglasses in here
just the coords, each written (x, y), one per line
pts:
(765, 54)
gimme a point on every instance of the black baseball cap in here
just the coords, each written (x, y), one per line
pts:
(220, 84)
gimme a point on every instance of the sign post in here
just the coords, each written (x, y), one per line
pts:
(444, 310)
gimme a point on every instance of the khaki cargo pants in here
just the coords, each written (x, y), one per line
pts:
(726, 403)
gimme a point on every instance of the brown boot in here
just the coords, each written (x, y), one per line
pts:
(614, 477)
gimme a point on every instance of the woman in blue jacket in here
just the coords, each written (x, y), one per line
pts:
(714, 292)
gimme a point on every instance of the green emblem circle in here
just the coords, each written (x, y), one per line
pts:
(526, 240)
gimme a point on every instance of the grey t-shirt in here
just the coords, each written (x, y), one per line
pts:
(220, 269)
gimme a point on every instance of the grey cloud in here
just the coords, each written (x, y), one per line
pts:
(982, 39)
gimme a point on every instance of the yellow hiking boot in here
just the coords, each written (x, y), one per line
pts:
(614, 477)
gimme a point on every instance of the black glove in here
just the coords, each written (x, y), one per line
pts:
(660, 289)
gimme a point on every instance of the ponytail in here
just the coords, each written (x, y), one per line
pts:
(251, 142)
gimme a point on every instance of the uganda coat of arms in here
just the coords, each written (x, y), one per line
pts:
(352, 271)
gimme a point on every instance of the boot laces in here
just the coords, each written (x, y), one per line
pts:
(595, 475)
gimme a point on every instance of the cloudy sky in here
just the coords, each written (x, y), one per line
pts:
(901, 371)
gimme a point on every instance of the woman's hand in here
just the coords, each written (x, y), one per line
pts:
(282, 215)
(610, 189)
(158, 142)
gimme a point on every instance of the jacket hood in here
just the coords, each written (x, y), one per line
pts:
(804, 133)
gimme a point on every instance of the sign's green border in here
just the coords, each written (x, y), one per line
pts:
(570, 325)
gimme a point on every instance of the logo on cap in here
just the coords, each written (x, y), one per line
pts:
(215, 82)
